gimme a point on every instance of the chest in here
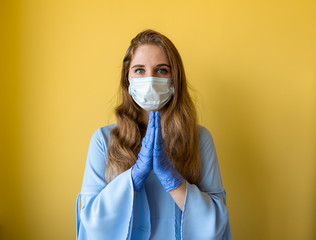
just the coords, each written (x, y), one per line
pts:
(155, 213)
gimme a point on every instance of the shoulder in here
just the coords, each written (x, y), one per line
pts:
(207, 147)
(205, 136)
(106, 131)
(102, 135)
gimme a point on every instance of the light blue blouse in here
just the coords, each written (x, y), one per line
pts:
(111, 211)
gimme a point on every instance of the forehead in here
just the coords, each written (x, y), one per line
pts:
(149, 54)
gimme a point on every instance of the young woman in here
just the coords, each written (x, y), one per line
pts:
(154, 174)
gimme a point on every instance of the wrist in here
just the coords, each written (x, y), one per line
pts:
(172, 184)
(181, 187)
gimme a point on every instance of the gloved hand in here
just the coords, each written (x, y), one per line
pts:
(162, 166)
(144, 164)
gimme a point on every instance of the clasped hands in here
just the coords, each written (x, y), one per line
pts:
(153, 156)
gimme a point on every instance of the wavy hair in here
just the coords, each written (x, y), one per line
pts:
(178, 118)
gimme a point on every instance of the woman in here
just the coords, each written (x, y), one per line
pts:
(154, 174)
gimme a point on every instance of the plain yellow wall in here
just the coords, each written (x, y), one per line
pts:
(252, 65)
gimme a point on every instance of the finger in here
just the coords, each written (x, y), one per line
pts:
(151, 132)
(156, 140)
(150, 126)
(158, 132)
(158, 125)
(151, 120)
(157, 120)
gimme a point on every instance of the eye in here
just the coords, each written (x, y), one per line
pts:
(139, 71)
(162, 71)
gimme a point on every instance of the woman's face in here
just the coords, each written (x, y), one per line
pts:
(149, 61)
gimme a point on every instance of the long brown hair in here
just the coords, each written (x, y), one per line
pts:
(178, 118)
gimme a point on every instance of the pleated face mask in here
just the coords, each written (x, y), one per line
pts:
(151, 93)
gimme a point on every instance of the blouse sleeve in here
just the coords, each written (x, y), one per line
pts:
(205, 215)
(106, 209)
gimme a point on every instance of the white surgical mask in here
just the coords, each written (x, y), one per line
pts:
(151, 93)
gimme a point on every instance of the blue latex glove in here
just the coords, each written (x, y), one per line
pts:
(144, 163)
(162, 166)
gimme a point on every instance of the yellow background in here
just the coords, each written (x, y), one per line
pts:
(252, 65)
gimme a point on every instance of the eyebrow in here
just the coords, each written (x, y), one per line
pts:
(158, 65)
(138, 65)
(163, 64)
